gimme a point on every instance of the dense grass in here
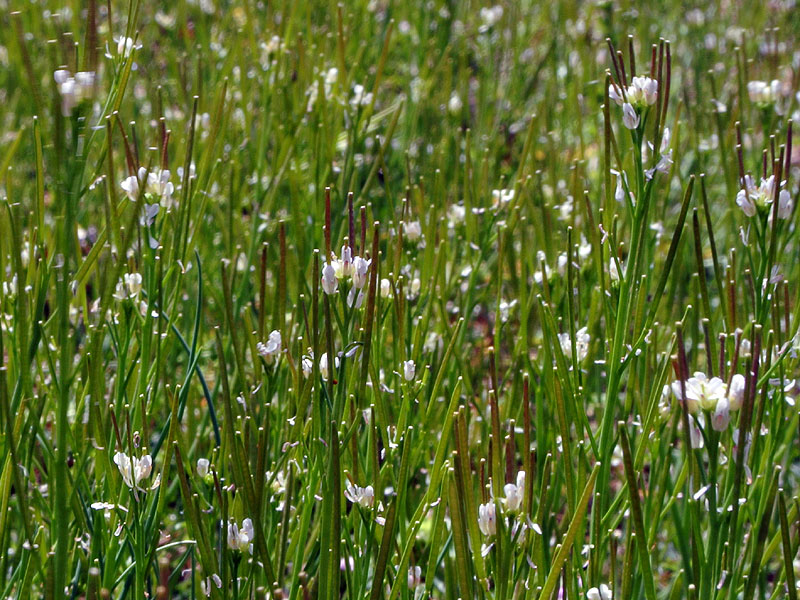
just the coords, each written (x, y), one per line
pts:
(399, 300)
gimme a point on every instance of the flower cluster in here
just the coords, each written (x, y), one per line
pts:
(74, 89)
(641, 93)
(752, 199)
(712, 396)
(599, 593)
(582, 339)
(156, 186)
(363, 496)
(347, 267)
(763, 93)
(514, 496)
(241, 539)
(272, 348)
(487, 519)
(135, 470)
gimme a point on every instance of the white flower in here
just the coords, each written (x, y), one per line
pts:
(505, 309)
(502, 197)
(355, 297)
(120, 293)
(360, 97)
(642, 92)
(73, 90)
(272, 347)
(330, 284)
(205, 584)
(456, 214)
(241, 539)
(344, 268)
(360, 270)
(736, 391)
(490, 16)
(323, 365)
(10, 287)
(156, 183)
(363, 496)
(414, 577)
(409, 368)
(601, 593)
(722, 415)
(413, 289)
(159, 185)
(665, 161)
(751, 199)
(134, 470)
(622, 183)
(131, 187)
(664, 404)
(454, 105)
(202, 466)
(630, 118)
(134, 283)
(695, 435)
(307, 363)
(763, 93)
(412, 230)
(613, 271)
(701, 392)
(487, 519)
(515, 493)
(582, 339)
(386, 289)
(125, 46)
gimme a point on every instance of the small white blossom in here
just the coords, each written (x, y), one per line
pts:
(355, 298)
(125, 46)
(273, 346)
(363, 496)
(701, 392)
(156, 184)
(722, 415)
(360, 97)
(456, 213)
(599, 593)
(736, 391)
(641, 93)
(360, 271)
(764, 93)
(241, 539)
(515, 493)
(330, 284)
(412, 230)
(409, 369)
(134, 470)
(133, 281)
(386, 289)
(454, 105)
(751, 199)
(487, 519)
(73, 89)
(630, 118)
(490, 16)
(582, 339)
(323, 365)
(414, 577)
(202, 467)
(502, 197)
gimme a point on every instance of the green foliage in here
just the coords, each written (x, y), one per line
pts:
(399, 300)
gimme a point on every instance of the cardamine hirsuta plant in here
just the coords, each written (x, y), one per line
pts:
(405, 301)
